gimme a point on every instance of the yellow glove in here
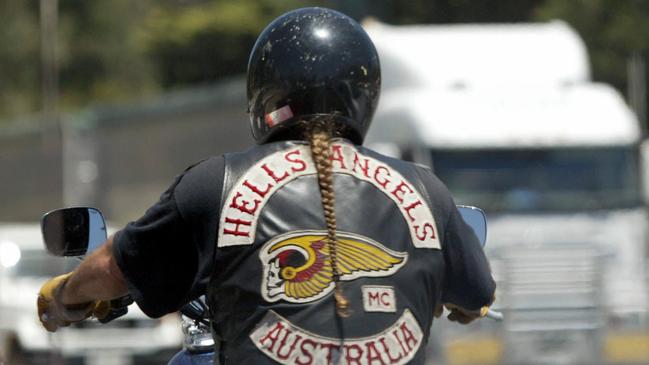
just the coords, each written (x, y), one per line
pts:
(54, 314)
(101, 309)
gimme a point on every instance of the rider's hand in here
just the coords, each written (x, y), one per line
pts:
(459, 314)
(464, 316)
(54, 314)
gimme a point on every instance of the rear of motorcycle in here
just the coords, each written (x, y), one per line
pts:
(76, 232)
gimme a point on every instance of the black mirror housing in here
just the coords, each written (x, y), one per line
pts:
(73, 231)
(476, 219)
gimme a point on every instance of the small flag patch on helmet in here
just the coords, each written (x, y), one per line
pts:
(277, 116)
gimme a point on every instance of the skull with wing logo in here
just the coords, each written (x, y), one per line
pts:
(297, 266)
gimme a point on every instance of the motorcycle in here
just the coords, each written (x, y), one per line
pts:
(76, 232)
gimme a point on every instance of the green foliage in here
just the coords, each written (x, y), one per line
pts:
(99, 58)
(19, 59)
(207, 40)
(612, 30)
(120, 50)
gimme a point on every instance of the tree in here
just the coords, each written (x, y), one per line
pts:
(121, 50)
(207, 40)
(98, 60)
(612, 29)
(99, 57)
(19, 59)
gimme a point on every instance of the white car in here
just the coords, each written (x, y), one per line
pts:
(24, 267)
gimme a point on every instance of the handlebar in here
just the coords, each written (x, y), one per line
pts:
(497, 316)
(118, 308)
(196, 310)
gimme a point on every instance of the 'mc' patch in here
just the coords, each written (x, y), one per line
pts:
(245, 202)
(379, 298)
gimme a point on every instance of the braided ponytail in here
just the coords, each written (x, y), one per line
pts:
(319, 136)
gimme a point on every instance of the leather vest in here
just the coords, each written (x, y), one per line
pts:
(271, 294)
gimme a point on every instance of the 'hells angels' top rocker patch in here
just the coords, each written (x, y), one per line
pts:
(245, 202)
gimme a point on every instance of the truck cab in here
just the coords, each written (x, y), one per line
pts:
(509, 119)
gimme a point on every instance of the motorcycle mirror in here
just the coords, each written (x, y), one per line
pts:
(73, 231)
(476, 219)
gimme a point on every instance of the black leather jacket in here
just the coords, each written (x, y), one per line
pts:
(402, 248)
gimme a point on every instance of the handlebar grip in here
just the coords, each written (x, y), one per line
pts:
(113, 314)
(118, 308)
(124, 301)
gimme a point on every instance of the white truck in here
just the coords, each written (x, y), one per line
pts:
(508, 117)
(24, 267)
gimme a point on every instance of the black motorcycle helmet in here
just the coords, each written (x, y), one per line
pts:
(307, 64)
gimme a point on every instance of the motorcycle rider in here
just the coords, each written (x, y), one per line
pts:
(309, 246)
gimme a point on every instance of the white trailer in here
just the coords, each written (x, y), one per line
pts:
(508, 117)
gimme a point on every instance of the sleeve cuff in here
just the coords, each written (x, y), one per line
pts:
(120, 258)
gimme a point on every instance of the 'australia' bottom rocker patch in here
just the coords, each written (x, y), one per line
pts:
(288, 344)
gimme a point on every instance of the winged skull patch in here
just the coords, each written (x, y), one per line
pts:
(297, 267)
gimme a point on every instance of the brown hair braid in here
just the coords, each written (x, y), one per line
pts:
(319, 136)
